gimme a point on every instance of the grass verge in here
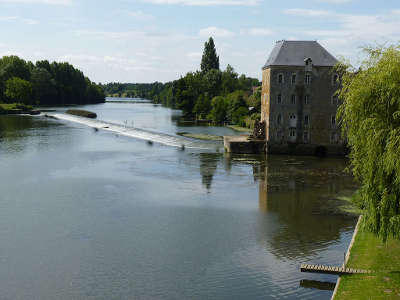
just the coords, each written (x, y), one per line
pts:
(239, 128)
(370, 253)
(6, 108)
(200, 136)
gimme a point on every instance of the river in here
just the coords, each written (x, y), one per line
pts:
(103, 213)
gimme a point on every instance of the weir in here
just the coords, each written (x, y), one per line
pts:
(156, 137)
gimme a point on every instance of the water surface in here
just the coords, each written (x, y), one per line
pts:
(88, 214)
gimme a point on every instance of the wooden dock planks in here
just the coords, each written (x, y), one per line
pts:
(331, 269)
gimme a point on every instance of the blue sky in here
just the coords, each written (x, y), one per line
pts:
(160, 40)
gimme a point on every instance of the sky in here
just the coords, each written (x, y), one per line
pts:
(161, 40)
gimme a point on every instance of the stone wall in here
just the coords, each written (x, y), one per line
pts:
(278, 111)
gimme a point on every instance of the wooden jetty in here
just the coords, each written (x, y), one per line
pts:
(331, 270)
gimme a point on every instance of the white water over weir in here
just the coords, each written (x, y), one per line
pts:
(156, 137)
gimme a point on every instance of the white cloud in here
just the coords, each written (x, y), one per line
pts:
(118, 62)
(140, 15)
(107, 35)
(51, 2)
(206, 2)
(301, 12)
(335, 1)
(194, 55)
(20, 19)
(215, 32)
(259, 31)
(350, 32)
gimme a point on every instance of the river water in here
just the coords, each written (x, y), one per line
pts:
(103, 213)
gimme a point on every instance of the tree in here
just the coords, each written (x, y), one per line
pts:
(210, 59)
(370, 117)
(212, 82)
(202, 106)
(229, 80)
(12, 66)
(19, 90)
(43, 85)
(219, 109)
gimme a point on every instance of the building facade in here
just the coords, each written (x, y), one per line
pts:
(299, 100)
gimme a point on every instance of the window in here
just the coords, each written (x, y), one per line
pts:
(280, 78)
(307, 99)
(293, 99)
(334, 138)
(279, 99)
(265, 98)
(335, 100)
(306, 120)
(335, 79)
(292, 132)
(333, 120)
(305, 136)
(279, 119)
(293, 78)
(307, 79)
(292, 117)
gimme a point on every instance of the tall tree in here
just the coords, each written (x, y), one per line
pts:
(370, 116)
(210, 59)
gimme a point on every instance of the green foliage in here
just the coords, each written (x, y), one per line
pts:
(370, 116)
(210, 59)
(43, 85)
(49, 84)
(82, 113)
(202, 107)
(19, 90)
(229, 80)
(219, 109)
(221, 96)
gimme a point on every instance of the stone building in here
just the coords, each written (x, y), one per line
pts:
(299, 100)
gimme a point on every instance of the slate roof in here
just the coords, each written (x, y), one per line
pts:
(293, 53)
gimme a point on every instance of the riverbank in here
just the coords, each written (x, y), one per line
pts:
(239, 128)
(200, 136)
(16, 109)
(370, 253)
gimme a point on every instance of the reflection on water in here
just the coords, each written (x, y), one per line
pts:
(315, 284)
(91, 214)
(297, 190)
(14, 130)
(208, 166)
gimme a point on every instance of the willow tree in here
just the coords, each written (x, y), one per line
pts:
(370, 116)
(210, 59)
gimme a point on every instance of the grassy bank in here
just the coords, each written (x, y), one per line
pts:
(200, 136)
(82, 113)
(239, 128)
(370, 253)
(14, 108)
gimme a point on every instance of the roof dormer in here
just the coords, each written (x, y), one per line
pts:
(308, 64)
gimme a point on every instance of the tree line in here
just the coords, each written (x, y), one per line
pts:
(45, 83)
(209, 93)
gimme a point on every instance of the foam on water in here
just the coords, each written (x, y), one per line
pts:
(157, 137)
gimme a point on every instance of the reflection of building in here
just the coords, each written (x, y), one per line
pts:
(299, 100)
(288, 193)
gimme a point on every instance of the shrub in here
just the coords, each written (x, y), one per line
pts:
(82, 113)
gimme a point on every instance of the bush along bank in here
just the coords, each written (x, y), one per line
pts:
(16, 109)
(82, 113)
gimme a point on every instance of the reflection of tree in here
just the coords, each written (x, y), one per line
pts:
(14, 129)
(297, 198)
(208, 166)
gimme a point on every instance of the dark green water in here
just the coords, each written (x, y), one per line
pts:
(88, 214)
